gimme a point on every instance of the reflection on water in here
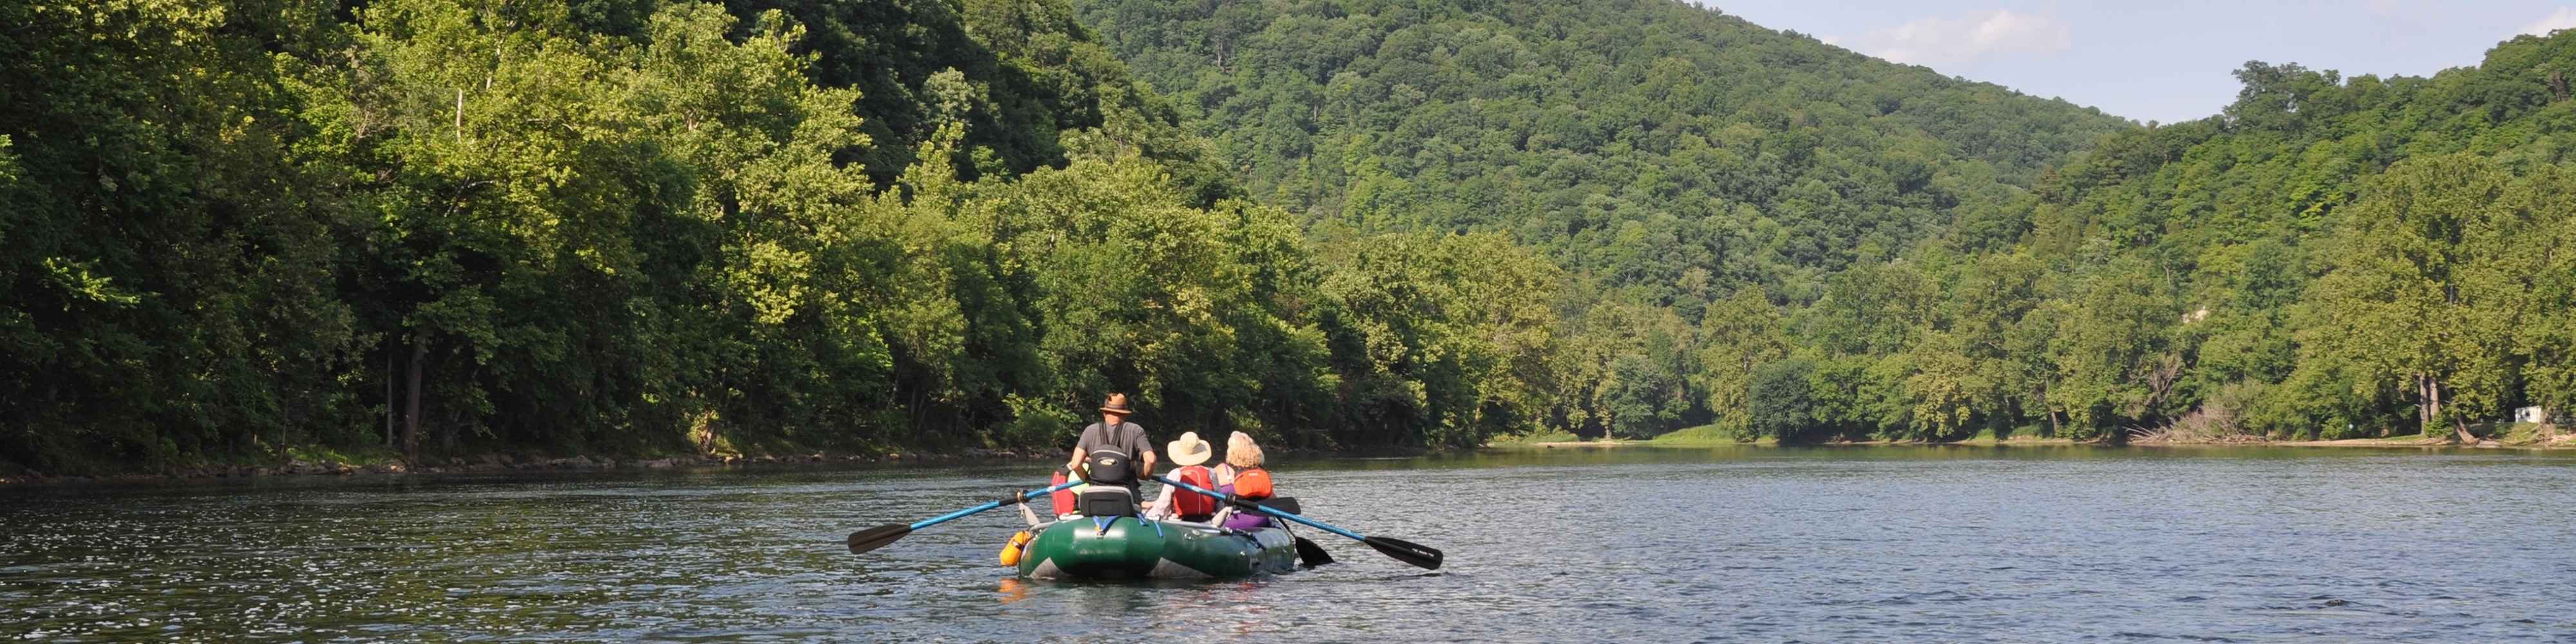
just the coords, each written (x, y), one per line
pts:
(1743, 543)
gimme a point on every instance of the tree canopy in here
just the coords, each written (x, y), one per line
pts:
(440, 226)
(2326, 257)
(435, 227)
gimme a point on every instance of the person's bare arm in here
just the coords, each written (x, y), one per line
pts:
(1075, 465)
(1149, 464)
(1162, 505)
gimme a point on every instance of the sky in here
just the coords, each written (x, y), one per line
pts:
(2162, 61)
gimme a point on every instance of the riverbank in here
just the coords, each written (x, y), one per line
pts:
(1710, 436)
(1609, 443)
(331, 463)
(328, 463)
(1692, 438)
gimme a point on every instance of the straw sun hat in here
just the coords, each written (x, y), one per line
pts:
(1189, 450)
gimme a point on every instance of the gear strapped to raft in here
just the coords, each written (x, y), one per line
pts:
(1106, 466)
(1101, 501)
(1112, 492)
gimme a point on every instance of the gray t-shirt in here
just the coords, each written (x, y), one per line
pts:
(1127, 437)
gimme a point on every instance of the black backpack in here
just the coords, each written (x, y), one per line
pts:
(1109, 467)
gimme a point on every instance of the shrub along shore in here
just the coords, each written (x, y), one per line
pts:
(2524, 436)
(386, 463)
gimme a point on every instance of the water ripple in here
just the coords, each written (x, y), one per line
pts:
(1697, 545)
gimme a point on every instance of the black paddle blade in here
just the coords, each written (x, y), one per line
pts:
(1311, 554)
(877, 537)
(1421, 556)
(1286, 504)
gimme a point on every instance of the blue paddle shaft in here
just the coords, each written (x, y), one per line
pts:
(1024, 498)
(1265, 509)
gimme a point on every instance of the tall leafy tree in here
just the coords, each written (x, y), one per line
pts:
(2434, 280)
(1742, 333)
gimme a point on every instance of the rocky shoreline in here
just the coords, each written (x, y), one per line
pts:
(496, 463)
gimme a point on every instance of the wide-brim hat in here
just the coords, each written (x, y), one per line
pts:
(1189, 450)
(1117, 404)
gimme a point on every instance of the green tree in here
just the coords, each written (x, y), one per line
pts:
(155, 244)
(2114, 368)
(1741, 333)
(1450, 334)
(1782, 403)
(2432, 282)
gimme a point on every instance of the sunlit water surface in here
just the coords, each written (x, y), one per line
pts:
(1730, 544)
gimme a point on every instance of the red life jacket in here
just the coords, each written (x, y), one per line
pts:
(1061, 500)
(1190, 504)
(1253, 483)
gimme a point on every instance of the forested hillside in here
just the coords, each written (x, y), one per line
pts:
(1690, 170)
(1790, 240)
(2331, 256)
(1654, 144)
(429, 227)
(239, 230)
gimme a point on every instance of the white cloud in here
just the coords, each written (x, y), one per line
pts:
(2564, 18)
(1966, 38)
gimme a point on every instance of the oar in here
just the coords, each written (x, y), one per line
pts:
(1420, 556)
(878, 537)
(1312, 554)
(1308, 552)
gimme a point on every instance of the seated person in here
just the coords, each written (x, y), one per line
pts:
(1111, 457)
(1190, 453)
(1243, 477)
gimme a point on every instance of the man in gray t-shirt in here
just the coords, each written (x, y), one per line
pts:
(1114, 432)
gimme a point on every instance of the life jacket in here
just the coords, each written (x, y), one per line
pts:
(1252, 484)
(1191, 504)
(1062, 501)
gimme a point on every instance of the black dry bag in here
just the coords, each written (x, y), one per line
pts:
(1109, 467)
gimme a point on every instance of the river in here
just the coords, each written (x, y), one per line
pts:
(2019, 544)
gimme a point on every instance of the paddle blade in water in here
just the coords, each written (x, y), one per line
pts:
(877, 537)
(1421, 556)
(1311, 554)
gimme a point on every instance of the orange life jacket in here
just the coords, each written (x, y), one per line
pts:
(1190, 504)
(1252, 483)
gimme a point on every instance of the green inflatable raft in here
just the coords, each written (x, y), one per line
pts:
(1133, 548)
